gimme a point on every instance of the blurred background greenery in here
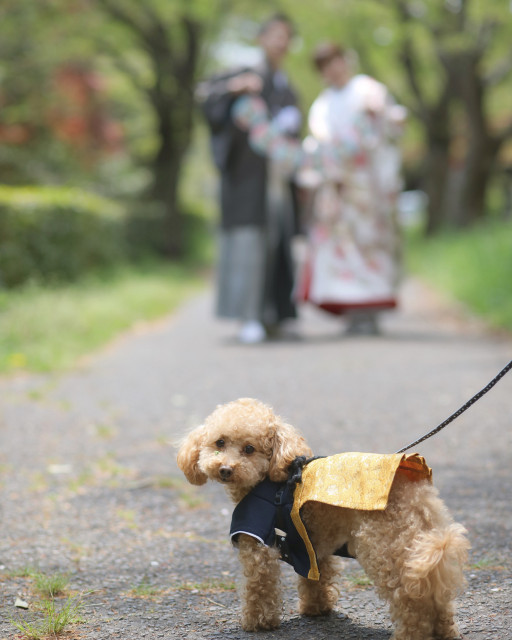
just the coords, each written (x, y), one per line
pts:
(104, 159)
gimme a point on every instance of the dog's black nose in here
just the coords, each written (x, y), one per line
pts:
(225, 473)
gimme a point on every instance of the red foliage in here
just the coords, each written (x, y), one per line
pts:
(79, 115)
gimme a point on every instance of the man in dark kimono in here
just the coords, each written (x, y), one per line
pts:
(258, 206)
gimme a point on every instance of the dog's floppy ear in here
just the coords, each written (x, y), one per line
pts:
(188, 457)
(287, 445)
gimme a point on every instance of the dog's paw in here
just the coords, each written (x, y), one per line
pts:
(250, 624)
(312, 610)
(450, 633)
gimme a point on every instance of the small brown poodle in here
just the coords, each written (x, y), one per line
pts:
(407, 543)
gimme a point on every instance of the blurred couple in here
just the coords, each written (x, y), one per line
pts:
(347, 170)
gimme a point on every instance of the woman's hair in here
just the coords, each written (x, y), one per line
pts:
(325, 52)
(277, 18)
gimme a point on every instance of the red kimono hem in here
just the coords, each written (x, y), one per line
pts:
(339, 308)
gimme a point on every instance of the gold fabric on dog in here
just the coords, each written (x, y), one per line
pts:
(352, 481)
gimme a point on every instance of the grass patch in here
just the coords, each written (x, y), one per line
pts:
(358, 580)
(52, 585)
(188, 496)
(48, 329)
(207, 586)
(105, 431)
(168, 482)
(145, 589)
(487, 563)
(473, 266)
(128, 517)
(48, 586)
(52, 620)
(23, 572)
(190, 499)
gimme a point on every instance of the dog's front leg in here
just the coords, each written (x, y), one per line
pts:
(261, 606)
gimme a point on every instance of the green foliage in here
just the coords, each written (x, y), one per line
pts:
(118, 43)
(473, 266)
(378, 33)
(55, 234)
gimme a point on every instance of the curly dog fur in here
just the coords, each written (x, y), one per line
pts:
(413, 551)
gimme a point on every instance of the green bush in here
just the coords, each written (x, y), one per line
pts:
(56, 234)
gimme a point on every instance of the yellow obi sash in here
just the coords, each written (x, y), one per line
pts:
(352, 481)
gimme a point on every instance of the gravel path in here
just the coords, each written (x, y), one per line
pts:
(89, 484)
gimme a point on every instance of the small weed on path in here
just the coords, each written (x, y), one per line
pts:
(52, 620)
(50, 586)
(210, 586)
(144, 589)
(487, 563)
(358, 580)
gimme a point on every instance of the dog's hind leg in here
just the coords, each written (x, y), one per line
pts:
(444, 624)
(261, 595)
(431, 578)
(448, 578)
(413, 620)
(318, 597)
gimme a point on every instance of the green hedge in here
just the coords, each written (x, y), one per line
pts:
(56, 234)
(472, 265)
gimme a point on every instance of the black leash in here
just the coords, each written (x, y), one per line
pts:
(461, 410)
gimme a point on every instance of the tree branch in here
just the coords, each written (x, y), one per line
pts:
(408, 59)
(500, 72)
(506, 134)
(118, 14)
(141, 32)
(122, 64)
(193, 31)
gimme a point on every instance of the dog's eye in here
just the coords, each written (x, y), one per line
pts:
(249, 449)
(219, 444)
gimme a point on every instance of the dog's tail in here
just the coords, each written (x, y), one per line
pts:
(435, 565)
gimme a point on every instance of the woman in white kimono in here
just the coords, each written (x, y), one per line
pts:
(352, 161)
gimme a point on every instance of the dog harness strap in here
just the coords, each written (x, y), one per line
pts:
(295, 470)
(281, 540)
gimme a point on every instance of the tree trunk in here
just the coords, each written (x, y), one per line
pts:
(172, 50)
(167, 166)
(437, 160)
(477, 171)
(462, 150)
(167, 171)
(464, 70)
(173, 100)
(436, 172)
